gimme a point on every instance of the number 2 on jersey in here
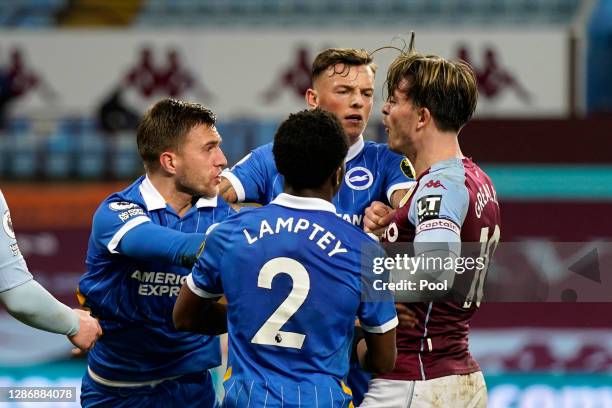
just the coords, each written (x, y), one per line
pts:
(270, 334)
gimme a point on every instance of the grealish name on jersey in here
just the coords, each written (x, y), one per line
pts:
(484, 196)
(323, 238)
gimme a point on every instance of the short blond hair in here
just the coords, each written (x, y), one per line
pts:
(447, 88)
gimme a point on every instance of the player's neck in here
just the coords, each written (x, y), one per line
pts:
(435, 147)
(323, 193)
(180, 201)
(353, 140)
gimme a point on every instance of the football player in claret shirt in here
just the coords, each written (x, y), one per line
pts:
(342, 83)
(430, 100)
(143, 243)
(292, 275)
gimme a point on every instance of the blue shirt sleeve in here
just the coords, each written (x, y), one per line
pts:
(124, 228)
(113, 220)
(205, 277)
(250, 176)
(376, 310)
(152, 242)
(398, 172)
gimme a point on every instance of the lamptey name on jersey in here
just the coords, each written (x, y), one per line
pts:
(324, 239)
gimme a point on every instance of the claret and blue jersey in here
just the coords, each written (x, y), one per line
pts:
(291, 272)
(373, 172)
(134, 297)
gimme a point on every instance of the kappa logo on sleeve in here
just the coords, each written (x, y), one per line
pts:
(7, 224)
(434, 184)
(428, 207)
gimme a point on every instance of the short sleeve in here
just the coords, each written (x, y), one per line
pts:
(377, 317)
(13, 269)
(376, 310)
(205, 277)
(113, 220)
(249, 176)
(398, 172)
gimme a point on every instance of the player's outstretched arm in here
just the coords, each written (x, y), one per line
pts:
(198, 314)
(377, 352)
(31, 304)
(377, 217)
(149, 241)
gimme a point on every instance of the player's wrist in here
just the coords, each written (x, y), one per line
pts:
(75, 326)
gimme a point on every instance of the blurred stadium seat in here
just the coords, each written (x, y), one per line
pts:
(343, 12)
(30, 14)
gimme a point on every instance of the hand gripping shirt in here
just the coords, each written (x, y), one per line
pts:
(373, 172)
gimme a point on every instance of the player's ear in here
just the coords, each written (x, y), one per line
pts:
(337, 177)
(167, 161)
(424, 118)
(312, 98)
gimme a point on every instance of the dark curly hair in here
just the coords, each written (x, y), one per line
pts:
(308, 147)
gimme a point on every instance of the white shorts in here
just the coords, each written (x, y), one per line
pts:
(454, 391)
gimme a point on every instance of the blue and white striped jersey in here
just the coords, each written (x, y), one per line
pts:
(134, 297)
(292, 275)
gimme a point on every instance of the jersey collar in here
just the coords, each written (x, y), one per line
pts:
(206, 202)
(303, 203)
(154, 200)
(355, 149)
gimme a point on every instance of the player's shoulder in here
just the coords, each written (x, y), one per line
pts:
(386, 157)
(264, 150)
(370, 147)
(472, 170)
(128, 200)
(261, 156)
(260, 153)
(441, 193)
(445, 177)
(131, 193)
